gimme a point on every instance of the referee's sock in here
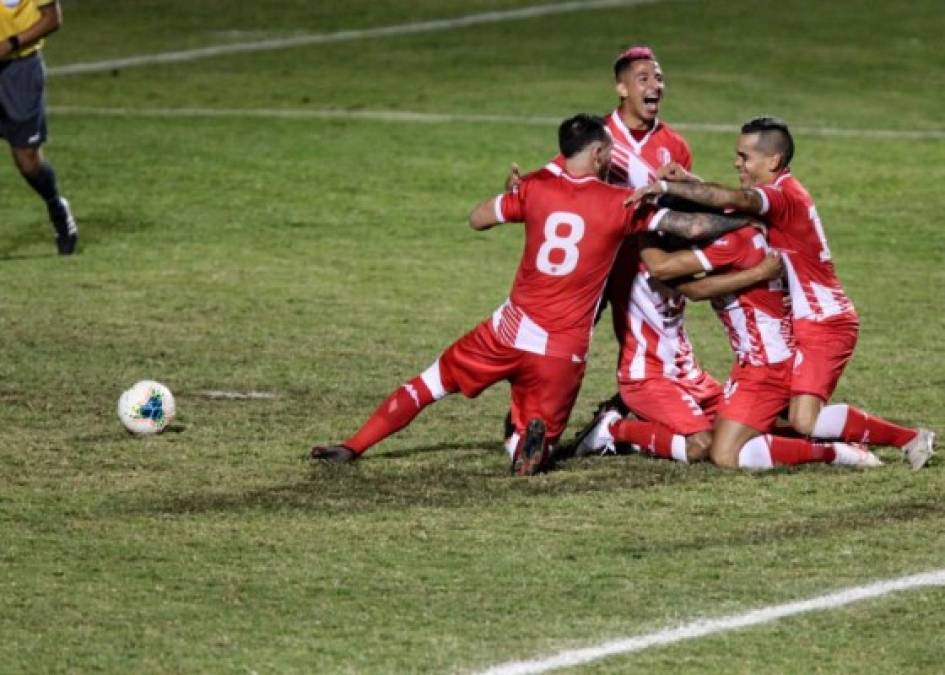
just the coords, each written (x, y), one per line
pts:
(44, 183)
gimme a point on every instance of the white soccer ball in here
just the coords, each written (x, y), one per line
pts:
(146, 408)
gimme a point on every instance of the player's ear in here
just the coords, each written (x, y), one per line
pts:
(773, 162)
(622, 90)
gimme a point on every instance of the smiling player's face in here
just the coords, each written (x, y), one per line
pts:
(641, 89)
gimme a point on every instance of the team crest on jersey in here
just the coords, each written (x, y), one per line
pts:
(665, 157)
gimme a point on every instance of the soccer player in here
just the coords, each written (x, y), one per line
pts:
(539, 337)
(23, 25)
(758, 323)
(825, 323)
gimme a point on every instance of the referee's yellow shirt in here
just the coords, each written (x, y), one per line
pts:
(18, 15)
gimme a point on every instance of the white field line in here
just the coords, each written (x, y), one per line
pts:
(343, 36)
(704, 627)
(237, 395)
(461, 118)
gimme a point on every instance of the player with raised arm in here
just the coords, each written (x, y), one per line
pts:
(539, 337)
(825, 323)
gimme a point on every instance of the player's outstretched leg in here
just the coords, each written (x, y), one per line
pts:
(767, 451)
(393, 414)
(857, 426)
(532, 452)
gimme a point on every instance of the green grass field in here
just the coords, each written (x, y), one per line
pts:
(325, 261)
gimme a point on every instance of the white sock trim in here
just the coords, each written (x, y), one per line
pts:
(755, 455)
(431, 378)
(511, 443)
(678, 448)
(830, 421)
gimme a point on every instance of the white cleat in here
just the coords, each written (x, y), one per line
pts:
(920, 449)
(854, 455)
(599, 441)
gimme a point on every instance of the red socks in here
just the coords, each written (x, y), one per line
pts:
(397, 411)
(791, 451)
(862, 427)
(651, 437)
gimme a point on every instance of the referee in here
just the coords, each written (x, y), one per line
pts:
(23, 25)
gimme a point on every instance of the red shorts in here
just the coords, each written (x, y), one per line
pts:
(543, 387)
(686, 407)
(823, 350)
(756, 395)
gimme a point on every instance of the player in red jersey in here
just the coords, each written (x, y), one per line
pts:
(825, 322)
(758, 324)
(538, 338)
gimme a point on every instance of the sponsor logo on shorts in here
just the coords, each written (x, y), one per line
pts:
(728, 391)
(34, 138)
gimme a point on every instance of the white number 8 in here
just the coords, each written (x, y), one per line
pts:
(555, 242)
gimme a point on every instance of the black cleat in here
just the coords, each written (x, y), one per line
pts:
(63, 222)
(338, 454)
(531, 456)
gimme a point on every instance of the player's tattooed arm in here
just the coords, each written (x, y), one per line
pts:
(700, 225)
(712, 195)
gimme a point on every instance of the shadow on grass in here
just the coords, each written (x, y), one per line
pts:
(473, 474)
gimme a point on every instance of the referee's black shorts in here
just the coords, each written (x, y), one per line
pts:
(23, 101)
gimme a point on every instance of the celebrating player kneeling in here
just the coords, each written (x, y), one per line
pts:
(539, 337)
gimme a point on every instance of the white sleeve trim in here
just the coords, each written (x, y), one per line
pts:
(703, 259)
(499, 218)
(655, 220)
(765, 204)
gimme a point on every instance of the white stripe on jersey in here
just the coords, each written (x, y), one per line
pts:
(638, 363)
(516, 329)
(773, 338)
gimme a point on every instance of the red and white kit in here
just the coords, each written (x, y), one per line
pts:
(758, 324)
(573, 228)
(825, 322)
(658, 376)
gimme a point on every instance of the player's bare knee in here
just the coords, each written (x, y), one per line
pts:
(802, 421)
(697, 446)
(724, 456)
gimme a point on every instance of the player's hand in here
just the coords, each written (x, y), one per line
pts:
(648, 194)
(772, 267)
(673, 171)
(514, 179)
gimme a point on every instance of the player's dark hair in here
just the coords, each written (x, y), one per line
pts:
(631, 54)
(775, 137)
(577, 132)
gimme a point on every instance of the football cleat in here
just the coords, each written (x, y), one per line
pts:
(597, 439)
(531, 455)
(849, 454)
(920, 449)
(63, 222)
(337, 454)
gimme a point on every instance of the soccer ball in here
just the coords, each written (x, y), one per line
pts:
(146, 408)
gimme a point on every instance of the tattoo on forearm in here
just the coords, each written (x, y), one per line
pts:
(715, 195)
(698, 225)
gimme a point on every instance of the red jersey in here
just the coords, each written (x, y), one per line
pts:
(757, 319)
(795, 228)
(634, 163)
(573, 228)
